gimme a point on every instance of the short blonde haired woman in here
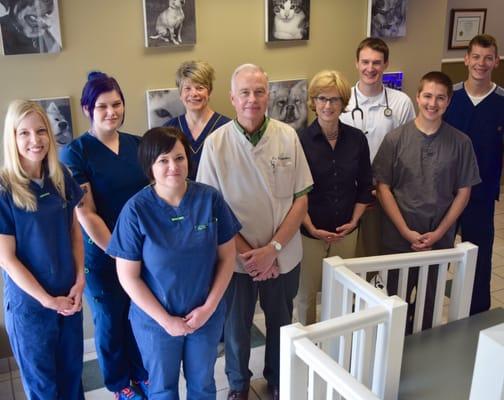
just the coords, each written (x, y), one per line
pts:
(338, 156)
(41, 254)
(195, 83)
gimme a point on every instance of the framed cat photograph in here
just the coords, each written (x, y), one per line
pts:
(60, 116)
(288, 102)
(30, 27)
(163, 105)
(169, 23)
(287, 20)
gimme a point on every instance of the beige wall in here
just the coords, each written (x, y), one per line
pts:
(108, 35)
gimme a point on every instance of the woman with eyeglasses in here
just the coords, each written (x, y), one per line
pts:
(338, 155)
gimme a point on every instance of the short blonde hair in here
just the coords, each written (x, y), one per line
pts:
(328, 79)
(199, 72)
(13, 176)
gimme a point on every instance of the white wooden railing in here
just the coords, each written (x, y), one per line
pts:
(347, 357)
(355, 353)
(462, 259)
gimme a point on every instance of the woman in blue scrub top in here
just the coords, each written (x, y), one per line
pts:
(194, 81)
(104, 162)
(174, 243)
(42, 257)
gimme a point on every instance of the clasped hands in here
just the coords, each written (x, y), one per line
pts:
(333, 237)
(261, 263)
(422, 241)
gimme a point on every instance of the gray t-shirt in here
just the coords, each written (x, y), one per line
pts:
(424, 173)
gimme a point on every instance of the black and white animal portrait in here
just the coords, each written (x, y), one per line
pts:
(287, 20)
(388, 18)
(30, 26)
(163, 105)
(169, 22)
(287, 102)
(60, 116)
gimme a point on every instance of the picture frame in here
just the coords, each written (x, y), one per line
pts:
(169, 23)
(387, 19)
(163, 105)
(393, 80)
(286, 20)
(288, 102)
(59, 113)
(30, 28)
(465, 23)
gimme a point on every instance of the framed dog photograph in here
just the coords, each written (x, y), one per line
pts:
(287, 20)
(30, 26)
(387, 18)
(60, 116)
(169, 23)
(163, 105)
(288, 102)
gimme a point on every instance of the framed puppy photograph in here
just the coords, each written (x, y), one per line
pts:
(288, 102)
(59, 112)
(30, 27)
(163, 105)
(169, 23)
(287, 20)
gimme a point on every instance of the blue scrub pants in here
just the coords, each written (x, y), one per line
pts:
(477, 226)
(162, 355)
(276, 299)
(117, 351)
(48, 349)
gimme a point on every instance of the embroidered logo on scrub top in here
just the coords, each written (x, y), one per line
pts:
(177, 219)
(283, 160)
(202, 227)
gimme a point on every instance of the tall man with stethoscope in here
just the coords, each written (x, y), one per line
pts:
(376, 110)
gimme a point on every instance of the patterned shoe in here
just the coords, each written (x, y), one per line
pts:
(143, 387)
(128, 393)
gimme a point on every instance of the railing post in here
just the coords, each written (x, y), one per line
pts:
(293, 371)
(462, 285)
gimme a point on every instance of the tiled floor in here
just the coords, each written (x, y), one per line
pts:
(11, 388)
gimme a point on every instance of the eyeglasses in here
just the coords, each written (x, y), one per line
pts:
(323, 100)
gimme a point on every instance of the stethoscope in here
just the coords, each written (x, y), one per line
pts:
(387, 112)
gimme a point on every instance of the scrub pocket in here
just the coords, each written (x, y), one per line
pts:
(282, 174)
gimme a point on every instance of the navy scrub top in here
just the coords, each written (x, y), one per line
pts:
(43, 240)
(114, 178)
(177, 245)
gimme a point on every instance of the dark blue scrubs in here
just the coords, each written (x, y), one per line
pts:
(196, 146)
(178, 249)
(114, 178)
(47, 346)
(484, 124)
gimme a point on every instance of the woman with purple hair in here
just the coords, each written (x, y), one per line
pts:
(104, 162)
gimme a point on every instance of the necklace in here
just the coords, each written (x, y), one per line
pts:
(332, 136)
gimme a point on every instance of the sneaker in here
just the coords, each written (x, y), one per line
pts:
(143, 387)
(377, 282)
(128, 393)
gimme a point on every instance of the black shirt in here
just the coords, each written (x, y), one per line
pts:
(342, 176)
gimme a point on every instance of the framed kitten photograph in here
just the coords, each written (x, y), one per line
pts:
(30, 27)
(59, 112)
(287, 20)
(163, 105)
(288, 102)
(169, 23)
(387, 18)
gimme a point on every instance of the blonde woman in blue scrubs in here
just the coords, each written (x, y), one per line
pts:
(41, 256)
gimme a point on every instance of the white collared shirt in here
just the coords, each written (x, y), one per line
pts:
(375, 124)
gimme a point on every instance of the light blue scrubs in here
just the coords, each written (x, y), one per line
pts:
(178, 249)
(114, 178)
(47, 346)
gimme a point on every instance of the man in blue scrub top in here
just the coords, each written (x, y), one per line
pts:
(477, 109)
(259, 166)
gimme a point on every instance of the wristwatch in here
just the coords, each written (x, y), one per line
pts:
(276, 245)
